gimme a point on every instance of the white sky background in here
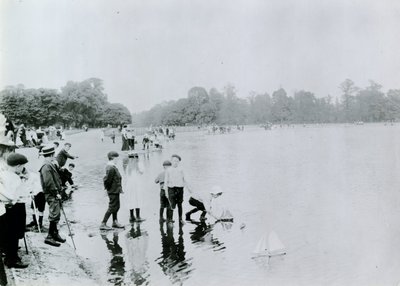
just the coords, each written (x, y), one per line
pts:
(149, 51)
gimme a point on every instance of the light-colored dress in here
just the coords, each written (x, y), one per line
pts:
(132, 183)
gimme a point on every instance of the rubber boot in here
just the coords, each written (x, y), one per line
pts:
(49, 239)
(57, 236)
(33, 223)
(132, 216)
(138, 218)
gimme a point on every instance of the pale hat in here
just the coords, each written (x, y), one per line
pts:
(216, 190)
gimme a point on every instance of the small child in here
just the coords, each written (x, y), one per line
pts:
(164, 203)
(174, 184)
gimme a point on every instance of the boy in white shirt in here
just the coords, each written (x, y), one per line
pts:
(174, 184)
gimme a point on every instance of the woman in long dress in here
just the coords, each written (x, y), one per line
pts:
(133, 189)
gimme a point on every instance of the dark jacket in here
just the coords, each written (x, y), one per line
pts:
(112, 180)
(50, 179)
(62, 157)
(66, 177)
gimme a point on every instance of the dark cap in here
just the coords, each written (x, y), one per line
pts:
(167, 163)
(16, 159)
(112, 154)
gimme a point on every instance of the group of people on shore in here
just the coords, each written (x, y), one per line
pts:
(19, 187)
(32, 137)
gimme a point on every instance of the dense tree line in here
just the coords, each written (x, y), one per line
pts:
(368, 104)
(77, 104)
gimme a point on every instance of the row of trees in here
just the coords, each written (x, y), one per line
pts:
(77, 104)
(368, 104)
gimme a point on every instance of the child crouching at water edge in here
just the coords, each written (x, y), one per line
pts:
(202, 202)
(164, 203)
(174, 184)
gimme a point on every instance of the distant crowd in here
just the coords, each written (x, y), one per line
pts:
(31, 137)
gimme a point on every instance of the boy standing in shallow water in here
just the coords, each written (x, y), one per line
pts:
(174, 184)
(112, 183)
(164, 204)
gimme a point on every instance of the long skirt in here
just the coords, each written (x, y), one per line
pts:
(125, 144)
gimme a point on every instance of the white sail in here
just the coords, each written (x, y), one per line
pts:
(261, 247)
(227, 215)
(276, 246)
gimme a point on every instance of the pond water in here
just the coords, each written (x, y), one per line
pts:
(331, 194)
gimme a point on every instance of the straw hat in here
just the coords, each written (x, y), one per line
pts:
(216, 190)
(47, 150)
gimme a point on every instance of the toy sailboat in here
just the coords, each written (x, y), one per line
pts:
(226, 216)
(269, 247)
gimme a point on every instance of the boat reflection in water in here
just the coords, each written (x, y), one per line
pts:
(172, 260)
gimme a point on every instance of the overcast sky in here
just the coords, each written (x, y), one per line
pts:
(149, 51)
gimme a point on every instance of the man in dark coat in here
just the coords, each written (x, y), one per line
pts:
(51, 185)
(112, 183)
(63, 155)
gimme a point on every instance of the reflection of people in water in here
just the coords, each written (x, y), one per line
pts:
(172, 261)
(137, 244)
(117, 263)
(202, 234)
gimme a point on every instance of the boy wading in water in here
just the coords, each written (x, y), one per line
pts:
(112, 183)
(174, 184)
(164, 203)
